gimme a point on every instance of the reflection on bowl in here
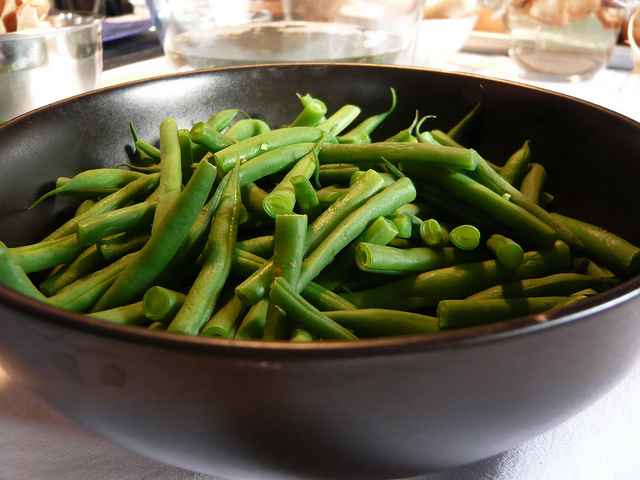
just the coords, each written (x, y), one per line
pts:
(375, 408)
(439, 38)
(41, 66)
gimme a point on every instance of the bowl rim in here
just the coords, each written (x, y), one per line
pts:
(321, 350)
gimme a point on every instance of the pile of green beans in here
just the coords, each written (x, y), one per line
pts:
(315, 231)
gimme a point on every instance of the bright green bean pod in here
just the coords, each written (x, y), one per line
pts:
(467, 313)
(13, 276)
(210, 138)
(88, 261)
(147, 151)
(47, 254)
(517, 165)
(86, 291)
(369, 124)
(288, 252)
(132, 314)
(379, 322)
(282, 199)
(252, 147)
(247, 128)
(261, 246)
(300, 334)
(116, 200)
(381, 204)
(509, 253)
(84, 206)
(92, 229)
(394, 152)
(465, 237)
(426, 289)
(311, 115)
(602, 246)
(164, 242)
(337, 173)
(218, 257)
(252, 325)
(112, 248)
(533, 183)
(404, 261)
(273, 161)
(224, 321)
(306, 197)
(434, 234)
(303, 312)
(340, 120)
(254, 288)
(403, 225)
(462, 129)
(161, 304)
(97, 178)
(557, 284)
(222, 119)
(170, 169)
(253, 199)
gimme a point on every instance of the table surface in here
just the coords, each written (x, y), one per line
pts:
(600, 443)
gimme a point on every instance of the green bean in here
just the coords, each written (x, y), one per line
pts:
(381, 204)
(478, 196)
(328, 195)
(132, 314)
(589, 267)
(161, 304)
(509, 253)
(306, 197)
(13, 276)
(467, 313)
(602, 246)
(116, 200)
(303, 312)
(420, 153)
(403, 225)
(487, 176)
(379, 322)
(311, 115)
(252, 325)
(465, 237)
(340, 120)
(246, 128)
(426, 289)
(170, 184)
(288, 252)
(133, 217)
(337, 173)
(273, 161)
(84, 206)
(86, 262)
(224, 321)
(251, 147)
(300, 334)
(256, 287)
(369, 124)
(261, 246)
(222, 119)
(86, 291)
(557, 284)
(253, 199)
(112, 248)
(403, 261)
(324, 299)
(533, 183)
(282, 199)
(517, 165)
(210, 138)
(47, 254)
(434, 234)
(218, 257)
(147, 154)
(98, 178)
(163, 243)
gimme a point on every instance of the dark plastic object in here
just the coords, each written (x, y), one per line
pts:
(374, 409)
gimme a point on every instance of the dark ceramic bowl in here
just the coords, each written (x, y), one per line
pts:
(372, 409)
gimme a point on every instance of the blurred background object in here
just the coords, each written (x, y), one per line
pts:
(61, 58)
(199, 34)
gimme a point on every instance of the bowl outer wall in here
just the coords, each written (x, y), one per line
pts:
(380, 410)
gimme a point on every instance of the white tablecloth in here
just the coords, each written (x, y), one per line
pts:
(600, 443)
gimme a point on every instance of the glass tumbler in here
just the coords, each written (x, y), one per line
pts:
(564, 40)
